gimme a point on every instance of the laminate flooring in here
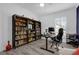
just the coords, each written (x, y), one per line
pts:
(33, 48)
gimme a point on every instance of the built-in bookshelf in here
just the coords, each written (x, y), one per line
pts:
(31, 30)
(24, 30)
(38, 30)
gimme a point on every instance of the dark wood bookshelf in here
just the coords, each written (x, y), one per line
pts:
(24, 30)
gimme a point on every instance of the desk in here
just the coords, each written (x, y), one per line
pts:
(46, 48)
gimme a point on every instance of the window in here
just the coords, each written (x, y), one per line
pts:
(61, 23)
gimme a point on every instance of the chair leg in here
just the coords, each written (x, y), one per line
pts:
(51, 45)
(57, 45)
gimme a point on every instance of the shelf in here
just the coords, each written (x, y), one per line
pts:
(20, 26)
(21, 21)
(31, 33)
(21, 39)
(31, 37)
(21, 33)
(21, 44)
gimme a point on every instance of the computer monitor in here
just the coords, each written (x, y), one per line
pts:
(51, 29)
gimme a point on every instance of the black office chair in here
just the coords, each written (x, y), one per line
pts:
(58, 39)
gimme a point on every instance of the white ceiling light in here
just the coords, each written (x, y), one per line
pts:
(42, 4)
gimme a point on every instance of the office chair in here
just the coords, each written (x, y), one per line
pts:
(57, 40)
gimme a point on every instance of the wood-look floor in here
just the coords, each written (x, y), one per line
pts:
(33, 48)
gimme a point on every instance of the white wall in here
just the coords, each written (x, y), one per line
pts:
(6, 12)
(48, 20)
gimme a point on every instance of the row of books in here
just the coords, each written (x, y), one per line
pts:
(20, 24)
(17, 43)
(20, 20)
(20, 37)
(21, 32)
(21, 28)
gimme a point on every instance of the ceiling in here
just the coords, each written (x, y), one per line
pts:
(48, 8)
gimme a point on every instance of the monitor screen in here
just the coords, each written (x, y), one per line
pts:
(51, 29)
